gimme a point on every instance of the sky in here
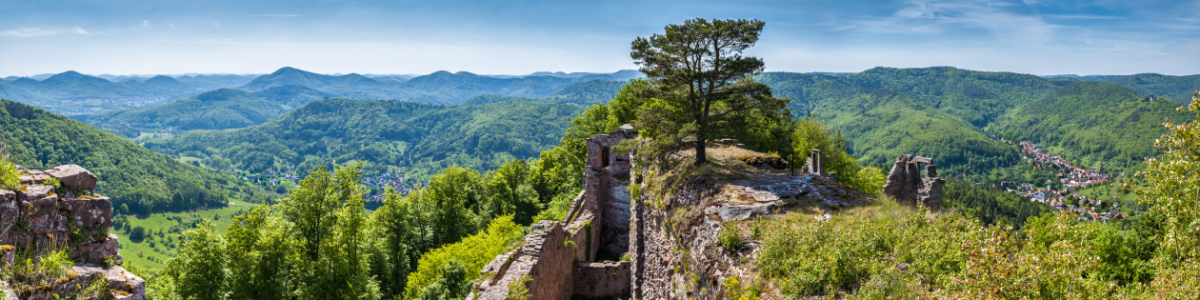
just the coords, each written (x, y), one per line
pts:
(1043, 37)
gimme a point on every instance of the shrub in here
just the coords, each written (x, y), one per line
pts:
(730, 239)
(138, 234)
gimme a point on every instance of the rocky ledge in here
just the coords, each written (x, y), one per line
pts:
(55, 210)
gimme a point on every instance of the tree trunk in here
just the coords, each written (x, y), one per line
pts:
(701, 158)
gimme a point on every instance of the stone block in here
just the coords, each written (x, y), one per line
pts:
(33, 177)
(34, 192)
(74, 177)
(94, 213)
(596, 280)
(98, 251)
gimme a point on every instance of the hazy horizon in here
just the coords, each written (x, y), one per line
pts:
(43, 76)
(1042, 37)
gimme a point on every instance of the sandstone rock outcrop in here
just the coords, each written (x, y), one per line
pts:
(36, 219)
(906, 185)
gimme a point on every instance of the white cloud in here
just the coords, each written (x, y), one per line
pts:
(278, 15)
(145, 23)
(29, 32)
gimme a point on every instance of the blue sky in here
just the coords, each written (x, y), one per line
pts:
(518, 37)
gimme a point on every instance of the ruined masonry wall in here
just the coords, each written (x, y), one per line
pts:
(556, 256)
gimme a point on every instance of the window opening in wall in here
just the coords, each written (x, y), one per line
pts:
(604, 157)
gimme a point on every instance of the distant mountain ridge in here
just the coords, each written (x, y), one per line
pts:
(441, 87)
(73, 93)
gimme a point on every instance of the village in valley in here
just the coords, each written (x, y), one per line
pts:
(1062, 194)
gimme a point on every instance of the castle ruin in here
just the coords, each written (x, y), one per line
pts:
(906, 185)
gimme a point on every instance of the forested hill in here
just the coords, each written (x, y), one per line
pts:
(974, 96)
(402, 137)
(134, 177)
(219, 109)
(1101, 125)
(438, 88)
(881, 124)
(72, 93)
(1178, 88)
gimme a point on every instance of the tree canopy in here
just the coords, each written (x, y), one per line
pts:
(700, 84)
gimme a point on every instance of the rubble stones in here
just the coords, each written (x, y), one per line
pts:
(74, 177)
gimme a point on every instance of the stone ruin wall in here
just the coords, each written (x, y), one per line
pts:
(559, 258)
(906, 185)
(37, 217)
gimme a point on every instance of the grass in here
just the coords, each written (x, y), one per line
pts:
(157, 256)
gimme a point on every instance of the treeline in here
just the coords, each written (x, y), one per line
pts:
(138, 180)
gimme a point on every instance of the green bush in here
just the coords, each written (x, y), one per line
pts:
(729, 238)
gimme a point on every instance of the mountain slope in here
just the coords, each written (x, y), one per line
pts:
(219, 109)
(133, 176)
(1103, 125)
(882, 124)
(1178, 88)
(401, 137)
(974, 96)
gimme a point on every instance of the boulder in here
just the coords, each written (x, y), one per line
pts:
(97, 252)
(33, 177)
(88, 213)
(74, 177)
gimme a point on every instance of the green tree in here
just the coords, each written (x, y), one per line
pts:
(327, 211)
(261, 253)
(510, 193)
(398, 238)
(451, 284)
(456, 194)
(1172, 186)
(199, 268)
(701, 81)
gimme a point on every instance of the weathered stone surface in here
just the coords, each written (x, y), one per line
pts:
(763, 188)
(744, 212)
(33, 177)
(608, 279)
(35, 192)
(99, 251)
(907, 186)
(88, 213)
(9, 214)
(74, 177)
(36, 217)
(121, 284)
